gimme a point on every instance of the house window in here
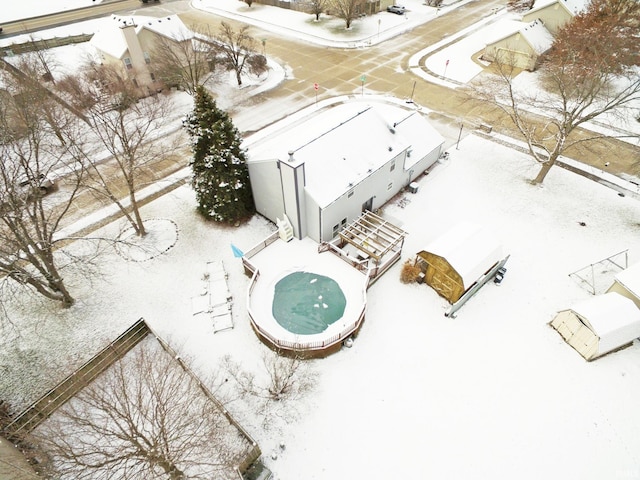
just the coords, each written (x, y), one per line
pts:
(135, 83)
(127, 63)
(390, 186)
(350, 194)
(147, 58)
(393, 167)
(339, 226)
(153, 77)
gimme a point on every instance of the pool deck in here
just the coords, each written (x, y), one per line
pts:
(282, 258)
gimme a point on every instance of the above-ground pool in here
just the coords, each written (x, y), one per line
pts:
(306, 303)
(302, 302)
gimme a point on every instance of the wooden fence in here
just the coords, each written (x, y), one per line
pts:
(42, 408)
(254, 452)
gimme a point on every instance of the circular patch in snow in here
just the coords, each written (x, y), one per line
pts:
(162, 234)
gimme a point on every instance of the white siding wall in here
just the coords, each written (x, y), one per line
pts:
(267, 188)
(294, 196)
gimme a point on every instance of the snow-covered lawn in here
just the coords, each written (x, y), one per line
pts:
(494, 393)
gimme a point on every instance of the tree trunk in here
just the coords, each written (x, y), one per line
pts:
(544, 169)
(239, 78)
(138, 224)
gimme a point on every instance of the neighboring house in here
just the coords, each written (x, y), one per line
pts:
(326, 170)
(554, 13)
(130, 41)
(524, 42)
(521, 48)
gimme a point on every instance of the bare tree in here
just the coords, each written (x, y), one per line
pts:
(145, 417)
(317, 7)
(348, 10)
(36, 140)
(286, 378)
(187, 61)
(248, 2)
(130, 129)
(573, 94)
(238, 51)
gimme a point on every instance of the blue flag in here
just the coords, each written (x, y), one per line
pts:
(236, 251)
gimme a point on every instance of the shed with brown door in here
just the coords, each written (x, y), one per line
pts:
(458, 258)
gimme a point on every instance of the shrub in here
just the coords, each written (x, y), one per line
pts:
(410, 272)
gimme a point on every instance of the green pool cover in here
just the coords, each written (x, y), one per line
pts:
(306, 303)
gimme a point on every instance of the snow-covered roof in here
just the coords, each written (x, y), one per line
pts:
(572, 6)
(469, 248)
(630, 279)
(343, 145)
(537, 36)
(535, 33)
(110, 39)
(615, 319)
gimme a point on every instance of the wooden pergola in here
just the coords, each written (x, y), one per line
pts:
(373, 235)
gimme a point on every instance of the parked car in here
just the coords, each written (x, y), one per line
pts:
(27, 190)
(37, 186)
(397, 9)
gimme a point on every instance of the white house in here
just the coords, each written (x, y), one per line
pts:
(327, 169)
(129, 41)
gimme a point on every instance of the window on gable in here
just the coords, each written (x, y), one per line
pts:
(390, 186)
(147, 58)
(393, 167)
(127, 63)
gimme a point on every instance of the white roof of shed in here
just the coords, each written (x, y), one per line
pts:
(343, 145)
(470, 249)
(110, 39)
(630, 279)
(615, 319)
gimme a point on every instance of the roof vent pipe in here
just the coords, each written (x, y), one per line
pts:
(291, 159)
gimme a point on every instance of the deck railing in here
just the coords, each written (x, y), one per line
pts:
(301, 345)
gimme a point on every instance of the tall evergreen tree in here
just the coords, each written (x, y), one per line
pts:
(220, 173)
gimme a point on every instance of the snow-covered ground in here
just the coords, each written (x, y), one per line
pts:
(494, 393)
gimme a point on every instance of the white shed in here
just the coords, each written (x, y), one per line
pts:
(627, 284)
(454, 261)
(599, 325)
